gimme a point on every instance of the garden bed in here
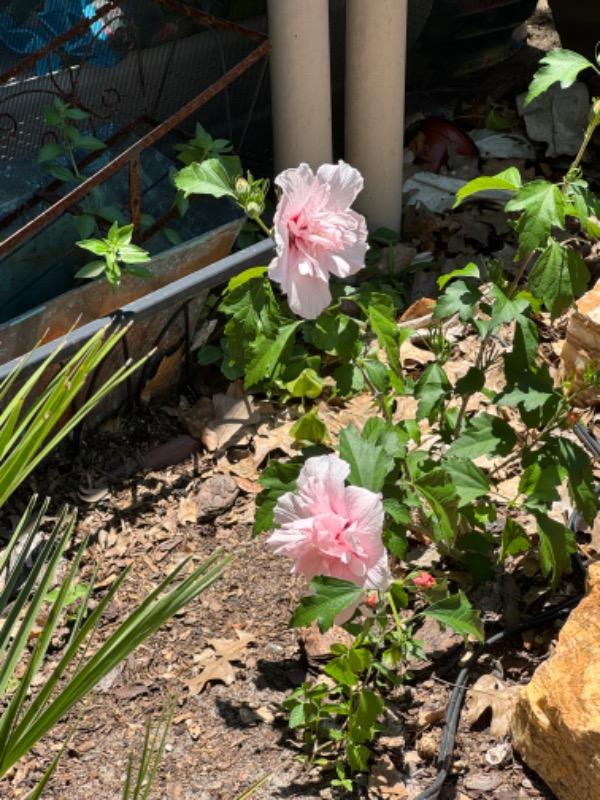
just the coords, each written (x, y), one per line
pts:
(226, 735)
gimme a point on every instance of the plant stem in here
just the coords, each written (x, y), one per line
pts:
(262, 226)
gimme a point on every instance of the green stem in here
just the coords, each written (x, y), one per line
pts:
(262, 226)
(377, 395)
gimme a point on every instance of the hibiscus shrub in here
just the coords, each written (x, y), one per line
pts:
(345, 519)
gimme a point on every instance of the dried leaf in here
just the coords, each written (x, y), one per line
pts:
(232, 416)
(490, 693)
(385, 781)
(216, 662)
(419, 311)
(412, 356)
(187, 513)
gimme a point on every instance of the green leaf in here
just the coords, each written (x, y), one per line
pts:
(297, 716)
(394, 539)
(357, 756)
(473, 381)
(485, 435)
(459, 298)
(437, 488)
(267, 354)
(210, 177)
(542, 207)
(470, 481)
(348, 379)
(539, 482)
(90, 143)
(60, 172)
(132, 254)
(244, 277)
(580, 477)
(457, 613)
(209, 354)
(389, 336)
(307, 384)
(339, 669)
(50, 151)
(369, 462)
(560, 66)
(361, 724)
(470, 271)
(336, 333)
(558, 276)
(309, 428)
(432, 388)
(557, 542)
(96, 246)
(514, 540)
(509, 180)
(330, 597)
(139, 272)
(91, 270)
(276, 479)
(85, 224)
(71, 112)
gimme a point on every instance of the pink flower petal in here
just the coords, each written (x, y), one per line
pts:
(345, 183)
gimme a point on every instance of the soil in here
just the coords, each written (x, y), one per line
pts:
(229, 733)
(227, 736)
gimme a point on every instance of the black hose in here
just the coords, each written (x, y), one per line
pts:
(451, 720)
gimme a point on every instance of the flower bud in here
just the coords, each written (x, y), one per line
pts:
(253, 209)
(241, 185)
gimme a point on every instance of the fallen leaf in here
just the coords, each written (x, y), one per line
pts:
(385, 781)
(232, 416)
(162, 380)
(195, 417)
(412, 356)
(317, 645)
(420, 309)
(187, 513)
(273, 436)
(489, 693)
(216, 661)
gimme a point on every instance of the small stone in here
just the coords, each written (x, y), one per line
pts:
(429, 716)
(437, 643)
(216, 495)
(556, 723)
(428, 745)
(582, 344)
(482, 782)
(498, 754)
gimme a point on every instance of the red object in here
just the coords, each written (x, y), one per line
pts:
(439, 138)
(424, 580)
(372, 599)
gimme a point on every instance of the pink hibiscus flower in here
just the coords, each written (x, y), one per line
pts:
(317, 234)
(331, 529)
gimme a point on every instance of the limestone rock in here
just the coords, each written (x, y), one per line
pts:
(582, 343)
(556, 724)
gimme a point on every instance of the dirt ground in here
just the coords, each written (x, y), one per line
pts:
(229, 732)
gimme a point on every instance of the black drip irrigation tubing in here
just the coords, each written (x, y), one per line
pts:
(453, 710)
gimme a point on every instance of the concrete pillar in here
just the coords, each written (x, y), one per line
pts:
(375, 75)
(300, 82)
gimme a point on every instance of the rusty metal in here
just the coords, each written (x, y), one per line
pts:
(123, 159)
(135, 202)
(211, 21)
(52, 46)
(49, 192)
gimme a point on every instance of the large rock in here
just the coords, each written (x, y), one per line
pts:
(582, 344)
(556, 723)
